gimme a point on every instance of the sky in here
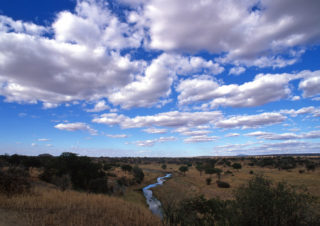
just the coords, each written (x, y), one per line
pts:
(169, 78)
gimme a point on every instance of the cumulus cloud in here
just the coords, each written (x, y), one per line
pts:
(200, 138)
(166, 119)
(232, 135)
(314, 111)
(58, 69)
(7, 24)
(146, 90)
(245, 30)
(237, 70)
(285, 136)
(311, 85)
(99, 106)
(274, 86)
(295, 98)
(283, 147)
(251, 121)
(75, 127)
(155, 130)
(264, 88)
(151, 142)
(117, 135)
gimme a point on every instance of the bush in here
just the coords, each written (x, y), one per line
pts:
(99, 185)
(261, 203)
(197, 211)
(138, 174)
(208, 181)
(251, 172)
(236, 166)
(311, 166)
(14, 181)
(222, 184)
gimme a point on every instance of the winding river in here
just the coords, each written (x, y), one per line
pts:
(153, 203)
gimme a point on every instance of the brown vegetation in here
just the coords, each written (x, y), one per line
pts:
(48, 206)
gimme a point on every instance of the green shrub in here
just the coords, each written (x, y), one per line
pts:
(222, 184)
(14, 181)
(261, 203)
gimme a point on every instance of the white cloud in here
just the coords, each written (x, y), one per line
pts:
(295, 98)
(274, 86)
(285, 136)
(251, 121)
(200, 138)
(237, 70)
(56, 70)
(155, 85)
(93, 24)
(311, 84)
(148, 143)
(75, 127)
(315, 112)
(244, 34)
(117, 135)
(155, 130)
(7, 24)
(284, 147)
(195, 132)
(99, 106)
(69, 74)
(43, 139)
(166, 119)
(232, 135)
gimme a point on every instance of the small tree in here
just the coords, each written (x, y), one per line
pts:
(310, 166)
(236, 166)
(183, 169)
(126, 168)
(164, 166)
(138, 174)
(208, 181)
(200, 168)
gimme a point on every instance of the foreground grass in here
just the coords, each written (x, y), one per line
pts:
(48, 206)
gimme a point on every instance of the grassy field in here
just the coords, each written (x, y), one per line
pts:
(50, 206)
(192, 184)
(46, 204)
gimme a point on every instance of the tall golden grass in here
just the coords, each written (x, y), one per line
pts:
(48, 206)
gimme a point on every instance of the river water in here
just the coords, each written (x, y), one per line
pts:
(153, 203)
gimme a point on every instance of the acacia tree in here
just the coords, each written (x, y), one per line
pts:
(183, 169)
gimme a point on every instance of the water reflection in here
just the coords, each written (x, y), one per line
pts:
(153, 203)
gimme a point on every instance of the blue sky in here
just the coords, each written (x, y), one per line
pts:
(159, 78)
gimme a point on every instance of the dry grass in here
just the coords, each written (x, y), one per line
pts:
(192, 184)
(49, 206)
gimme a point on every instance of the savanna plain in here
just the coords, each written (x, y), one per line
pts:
(79, 190)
